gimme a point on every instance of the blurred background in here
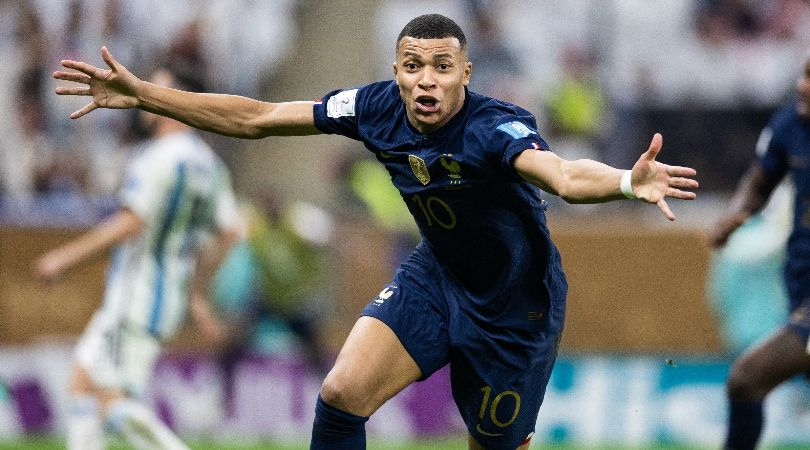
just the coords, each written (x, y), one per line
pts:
(655, 316)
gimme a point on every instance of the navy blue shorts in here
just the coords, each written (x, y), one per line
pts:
(500, 360)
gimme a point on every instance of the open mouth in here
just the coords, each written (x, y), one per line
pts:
(427, 104)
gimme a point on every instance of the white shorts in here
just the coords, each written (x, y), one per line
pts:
(117, 355)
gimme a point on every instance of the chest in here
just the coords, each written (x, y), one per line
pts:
(426, 163)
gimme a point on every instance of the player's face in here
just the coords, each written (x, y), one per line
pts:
(431, 75)
(803, 88)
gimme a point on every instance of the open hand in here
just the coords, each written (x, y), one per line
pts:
(654, 181)
(115, 88)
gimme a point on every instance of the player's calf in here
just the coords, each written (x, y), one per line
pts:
(336, 429)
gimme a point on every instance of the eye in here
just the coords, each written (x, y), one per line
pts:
(444, 66)
(410, 66)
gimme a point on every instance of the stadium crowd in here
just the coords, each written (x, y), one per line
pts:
(598, 76)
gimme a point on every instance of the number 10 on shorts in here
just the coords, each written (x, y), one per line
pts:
(493, 407)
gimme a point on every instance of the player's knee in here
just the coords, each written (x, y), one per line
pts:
(742, 382)
(80, 384)
(341, 392)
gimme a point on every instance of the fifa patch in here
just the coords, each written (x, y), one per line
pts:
(341, 104)
(516, 129)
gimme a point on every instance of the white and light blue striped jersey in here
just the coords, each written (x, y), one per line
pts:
(182, 191)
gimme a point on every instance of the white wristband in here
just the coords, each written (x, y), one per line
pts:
(626, 184)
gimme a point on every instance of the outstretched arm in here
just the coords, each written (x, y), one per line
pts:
(229, 115)
(752, 193)
(587, 181)
(120, 226)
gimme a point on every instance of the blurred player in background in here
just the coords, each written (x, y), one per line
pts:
(484, 291)
(783, 147)
(175, 224)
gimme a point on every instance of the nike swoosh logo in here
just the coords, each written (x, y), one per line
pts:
(478, 428)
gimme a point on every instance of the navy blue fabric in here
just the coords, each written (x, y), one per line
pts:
(485, 289)
(787, 151)
(334, 429)
(745, 425)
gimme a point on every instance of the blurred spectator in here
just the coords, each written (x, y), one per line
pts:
(576, 105)
(252, 35)
(496, 69)
(186, 50)
(31, 163)
(719, 21)
(366, 184)
(86, 158)
(274, 284)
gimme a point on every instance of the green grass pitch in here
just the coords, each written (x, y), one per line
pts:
(455, 444)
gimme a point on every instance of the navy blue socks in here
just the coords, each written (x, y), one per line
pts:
(337, 430)
(745, 421)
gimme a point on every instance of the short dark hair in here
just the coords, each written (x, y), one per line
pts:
(433, 26)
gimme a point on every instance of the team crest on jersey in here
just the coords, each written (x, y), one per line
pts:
(452, 166)
(419, 169)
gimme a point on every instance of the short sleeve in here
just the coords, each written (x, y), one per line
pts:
(337, 113)
(513, 136)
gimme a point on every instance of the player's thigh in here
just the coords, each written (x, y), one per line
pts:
(116, 356)
(372, 367)
(499, 379)
(80, 382)
(769, 363)
(401, 337)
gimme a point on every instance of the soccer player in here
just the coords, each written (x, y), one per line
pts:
(175, 223)
(783, 148)
(484, 290)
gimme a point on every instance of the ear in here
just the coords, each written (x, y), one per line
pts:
(467, 72)
(396, 72)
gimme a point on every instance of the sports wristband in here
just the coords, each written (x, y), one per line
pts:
(626, 185)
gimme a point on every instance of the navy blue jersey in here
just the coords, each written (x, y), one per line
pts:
(784, 148)
(483, 222)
